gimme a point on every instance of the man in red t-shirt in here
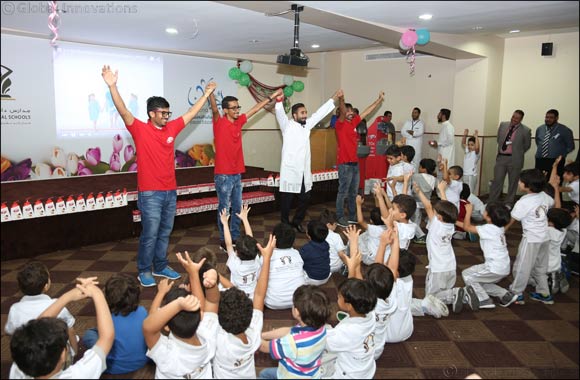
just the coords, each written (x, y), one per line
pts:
(347, 160)
(157, 201)
(229, 158)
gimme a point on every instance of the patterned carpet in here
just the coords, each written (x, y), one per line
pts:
(529, 341)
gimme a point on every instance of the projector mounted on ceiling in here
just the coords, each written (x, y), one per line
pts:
(296, 57)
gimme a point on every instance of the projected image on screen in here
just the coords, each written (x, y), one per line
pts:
(83, 103)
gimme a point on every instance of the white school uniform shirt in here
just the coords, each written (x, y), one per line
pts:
(352, 340)
(30, 307)
(395, 171)
(369, 241)
(470, 162)
(175, 359)
(416, 139)
(439, 248)
(295, 163)
(552, 245)
(446, 143)
(234, 359)
(91, 366)
(495, 252)
(431, 180)
(399, 325)
(336, 245)
(575, 191)
(244, 273)
(478, 206)
(285, 277)
(531, 210)
(406, 234)
(453, 192)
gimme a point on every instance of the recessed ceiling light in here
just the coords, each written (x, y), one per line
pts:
(515, 31)
(315, 46)
(477, 28)
(426, 17)
(171, 31)
(254, 41)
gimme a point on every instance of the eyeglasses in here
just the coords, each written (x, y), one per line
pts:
(165, 113)
(235, 108)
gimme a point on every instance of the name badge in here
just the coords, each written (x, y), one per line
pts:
(508, 143)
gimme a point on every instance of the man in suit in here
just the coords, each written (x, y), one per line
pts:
(553, 140)
(513, 141)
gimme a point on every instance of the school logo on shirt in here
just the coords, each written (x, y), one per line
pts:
(169, 139)
(384, 317)
(369, 342)
(541, 211)
(251, 277)
(445, 239)
(283, 259)
(241, 361)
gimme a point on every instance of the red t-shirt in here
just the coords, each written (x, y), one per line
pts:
(461, 215)
(155, 150)
(346, 138)
(229, 155)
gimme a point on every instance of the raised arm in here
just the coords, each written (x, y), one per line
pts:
(426, 202)
(464, 138)
(281, 117)
(190, 114)
(527, 138)
(243, 215)
(111, 81)
(359, 215)
(380, 200)
(442, 186)
(446, 171)
(163, 288)
(467, 226)
(373, 105)
(192, 268)
(406, 182)
(214, 108)
(342, 108)
(324, 110)
(224, 218)
(393, 261)
(476, 135)
(262, 104)
(555, 182)
(353, 262)
(262, 285)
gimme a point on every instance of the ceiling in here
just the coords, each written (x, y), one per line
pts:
(241, 27)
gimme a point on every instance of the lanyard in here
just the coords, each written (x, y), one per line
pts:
(413, 123)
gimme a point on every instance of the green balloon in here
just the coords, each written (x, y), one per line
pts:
(298, 86)
(234, 73)
(244, 80)
(288, 91)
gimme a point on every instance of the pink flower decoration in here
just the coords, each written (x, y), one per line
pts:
(129, 153)
(115, 162)
(117, 143)
(93, 156)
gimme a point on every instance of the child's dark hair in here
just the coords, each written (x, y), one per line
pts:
(457, 170)
(560, 218)
(381, 279)
(33, 278)
(447, 210)
(246, 247)
(285, 235)
(498, 213)
(204, 268)
(465, 192)
(549, 189)
(429, 165)
(471, 139)
(184, 324)
(406, 204)
(408, 151)
(317, 231)
(235, 311)
(393, 150)
(407, 262)
(37, 346)
(569, 205)
(533, 179)
(207, 254)
(328, 217)
(572, 168)
(313, 305)
(376, 217)
(359, 294)
(122, 294)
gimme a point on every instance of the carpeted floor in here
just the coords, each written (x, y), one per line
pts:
(528, 341)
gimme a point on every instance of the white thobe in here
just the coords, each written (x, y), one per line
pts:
(416, 139)
(446, 142)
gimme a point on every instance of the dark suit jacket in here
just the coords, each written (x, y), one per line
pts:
(521, 142)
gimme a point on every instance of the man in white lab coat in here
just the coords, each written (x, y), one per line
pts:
(295, 173)
(413, 131)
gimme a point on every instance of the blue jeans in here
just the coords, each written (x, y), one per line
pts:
(269, 373)
(229, 192)
(90, 338)
(157, 216)
(348, 180)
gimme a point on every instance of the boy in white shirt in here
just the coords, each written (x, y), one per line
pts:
(286, 269)
(192, 340)
(396, 169)
(39, 348)
(470, 160)
(452, 176)
(427, 180)
(334, 241)
(478, 207)
(558, 221)
(571, 176)
(369, 240)
(484, 277)
(531, 210)
(407, 156)
(244, 261)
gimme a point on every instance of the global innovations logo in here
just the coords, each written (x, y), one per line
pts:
(5, 83)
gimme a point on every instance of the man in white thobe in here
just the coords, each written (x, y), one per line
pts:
(295, 172)
(445, 143)
(413, 131)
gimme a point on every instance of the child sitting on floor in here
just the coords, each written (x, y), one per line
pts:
(316, 255)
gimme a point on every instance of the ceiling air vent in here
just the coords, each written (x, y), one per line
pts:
(392, 55)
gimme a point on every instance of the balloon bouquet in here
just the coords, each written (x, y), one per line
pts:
(292, 85)
(408, 41)
(241, 74)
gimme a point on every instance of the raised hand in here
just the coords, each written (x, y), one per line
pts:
(381, 95)
(359, 200)
(210, 278)
(416, 188)
(243, 215)
(468, 208)
(108, 75)
(352, 261)
(442, 186)
(555, 181)
(189, 303)
(388, 220)
(351, 232)
(164, 286)
(224, 217)
(209, 88)
(267, 251)
(339, 94)
(475, 133)
(277, 93)
(555, 164)
(466, 132)
(188, 264)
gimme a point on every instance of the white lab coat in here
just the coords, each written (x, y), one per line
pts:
(446, 142)
(415, 140)
(296, 148)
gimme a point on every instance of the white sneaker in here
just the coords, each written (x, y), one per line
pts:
(435, 307)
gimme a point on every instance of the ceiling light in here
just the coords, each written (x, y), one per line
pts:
(254, 41)
(477, 28)
(515, 31)
(315, 46)
(171, 31)
(426, 17)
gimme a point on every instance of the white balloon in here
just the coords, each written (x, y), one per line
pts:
(288, 80)
(246, 66)
(402, 46)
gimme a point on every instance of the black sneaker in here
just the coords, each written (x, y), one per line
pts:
(342, 221)
(422, 240)
(507, 299)
(458, 295)
(471, 298)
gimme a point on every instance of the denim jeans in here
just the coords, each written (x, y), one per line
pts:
(269, 373)
(348, 180)
(229, 192)
(157, 216)
(90, 338)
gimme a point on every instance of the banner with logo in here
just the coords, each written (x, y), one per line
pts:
(58, 119)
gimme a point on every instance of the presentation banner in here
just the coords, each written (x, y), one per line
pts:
(58, 119)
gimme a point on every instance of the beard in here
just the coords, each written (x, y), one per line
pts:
(301, 121)
(439, 120)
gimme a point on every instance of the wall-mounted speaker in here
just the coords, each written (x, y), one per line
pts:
(547, 49)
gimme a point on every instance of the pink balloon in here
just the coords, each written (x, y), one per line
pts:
(409, 38)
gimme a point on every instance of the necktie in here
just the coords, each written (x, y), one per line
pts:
(508, 137)
(546, 142)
